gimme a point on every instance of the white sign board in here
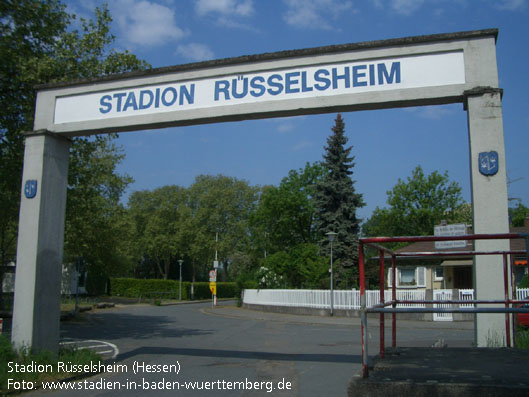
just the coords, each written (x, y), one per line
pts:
(458, 229)
(377, 75)
(212, 275)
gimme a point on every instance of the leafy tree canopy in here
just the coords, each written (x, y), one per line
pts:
(417, 205)
(39, 45)
(518, 215)
(284, 216)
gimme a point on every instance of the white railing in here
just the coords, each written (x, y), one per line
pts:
(321, 299)
(348, 300)
(522, 293)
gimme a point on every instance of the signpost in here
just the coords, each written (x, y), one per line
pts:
(213, 286)
(458, 229)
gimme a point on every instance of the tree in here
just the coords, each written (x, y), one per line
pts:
(219, 204)
(417, 205)
(518, 215)
(159, 220)
(284, 216)
(37, 47)
(336, 202)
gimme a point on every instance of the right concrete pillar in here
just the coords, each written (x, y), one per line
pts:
(490, 206)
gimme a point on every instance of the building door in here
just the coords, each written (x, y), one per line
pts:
(463, 277)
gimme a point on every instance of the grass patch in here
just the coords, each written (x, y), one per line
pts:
(36, 368)
(522, 338)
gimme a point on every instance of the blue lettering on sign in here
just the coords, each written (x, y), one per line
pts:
(325, 78)
(294, 82)
(131, 101)
(30, 188)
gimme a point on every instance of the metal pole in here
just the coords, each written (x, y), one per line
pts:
(506, 293)
(332, 282)
(180, 288)
(513, 294)
(381, 290)
(363, 313)
(393, 298)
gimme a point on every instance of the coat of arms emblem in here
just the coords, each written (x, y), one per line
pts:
(488, 163)
(30, 188)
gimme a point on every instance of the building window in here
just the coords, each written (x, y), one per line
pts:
(439, 273)
(409, 277)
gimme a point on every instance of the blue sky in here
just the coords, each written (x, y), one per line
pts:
(387, 144)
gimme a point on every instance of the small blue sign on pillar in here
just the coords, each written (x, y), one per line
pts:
(30, 188)
(488, 163)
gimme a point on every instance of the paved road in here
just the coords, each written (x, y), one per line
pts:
(293, 355)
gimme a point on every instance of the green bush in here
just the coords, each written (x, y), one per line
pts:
(224, 290)
(167, 289)
(147, 288)
(96, 282)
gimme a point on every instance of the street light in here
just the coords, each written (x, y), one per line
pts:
(331, 236)
(180, 261)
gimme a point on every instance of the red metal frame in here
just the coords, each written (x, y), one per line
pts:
(381, 308)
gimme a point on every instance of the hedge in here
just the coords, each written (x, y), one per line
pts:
(167, 289)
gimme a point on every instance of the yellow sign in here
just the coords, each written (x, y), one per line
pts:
(213, 287)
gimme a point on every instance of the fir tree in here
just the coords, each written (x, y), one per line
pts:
(336, 202)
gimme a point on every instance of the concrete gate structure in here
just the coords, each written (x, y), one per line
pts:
(425, 70)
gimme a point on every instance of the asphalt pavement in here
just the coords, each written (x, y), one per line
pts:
(225, 351)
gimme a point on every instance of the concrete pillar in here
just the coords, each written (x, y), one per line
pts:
(490, 207)
(36, 313)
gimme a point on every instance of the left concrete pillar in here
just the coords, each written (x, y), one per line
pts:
(36, 312)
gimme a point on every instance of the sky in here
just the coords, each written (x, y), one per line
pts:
(387, 144)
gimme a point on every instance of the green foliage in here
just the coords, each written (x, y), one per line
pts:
(168, 289)
(171, 222)
(159, 223)
(524, 282)
(202, 291)
(518, 215)
(337, 201)
(39, 46)
(284, 217)
(244, 282)
(269, 279)
(9, 354)
(300, 267)
(96, 282)
(417, 205)
(522, 338)
(147, 288)
(219, 204)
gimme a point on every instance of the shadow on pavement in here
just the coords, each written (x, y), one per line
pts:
(251, 355)
(123, 325)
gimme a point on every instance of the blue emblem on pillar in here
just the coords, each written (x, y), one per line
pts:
(488, 163)
(30, 188)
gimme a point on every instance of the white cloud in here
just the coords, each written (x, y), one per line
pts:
(239, 8)
(510, 5)
(314, 14)
(403, 7)
(302, 145)
(227, 13)
(145, 23)
(431, 112)
(195, 52)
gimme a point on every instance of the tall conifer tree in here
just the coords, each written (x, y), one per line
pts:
(336, 202)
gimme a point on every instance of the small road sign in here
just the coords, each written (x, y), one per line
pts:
(212, 275)
(213, 287)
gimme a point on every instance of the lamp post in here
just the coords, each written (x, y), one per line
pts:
(180, 261)
(331, 236)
